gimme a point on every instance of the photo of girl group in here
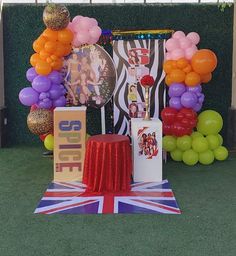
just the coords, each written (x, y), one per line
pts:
(89, 76)
(148, 145)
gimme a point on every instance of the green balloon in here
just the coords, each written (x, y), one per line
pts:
(213, 141)
(209, 122)
(200, 144)
(220, 139)
(206, 157)
(184, 143)
(221, 153)
(169, 143)
(190, 157)
(176, 155)
(196, 135)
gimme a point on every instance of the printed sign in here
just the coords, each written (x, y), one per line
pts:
(89, 76)
(69, 143)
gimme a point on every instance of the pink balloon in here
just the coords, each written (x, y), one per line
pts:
(70, 26)
(185, 43)
(76, 42)
(168, 56)
(83, 37)
(85, 23)
(92, 40)
(93, 22)
(77, 19)
(177, 54)
(194, 37)
(95, 32)
(178, 35)
(172, 44)
(189, 52)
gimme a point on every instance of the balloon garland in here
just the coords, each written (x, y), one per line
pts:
(55, 42)
(186, 69)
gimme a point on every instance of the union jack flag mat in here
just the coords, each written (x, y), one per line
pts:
(144, 197)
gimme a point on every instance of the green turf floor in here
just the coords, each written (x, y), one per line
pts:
(207, 226)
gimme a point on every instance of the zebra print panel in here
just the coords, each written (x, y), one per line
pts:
(133, 59)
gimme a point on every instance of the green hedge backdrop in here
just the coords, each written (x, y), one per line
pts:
(23, 24)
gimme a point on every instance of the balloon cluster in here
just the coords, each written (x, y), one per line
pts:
(85, 29)
(186, 69)
(182, 96)
(182, 46)
(178, 123)
(49, 49)
(46, 92)
(203, 145)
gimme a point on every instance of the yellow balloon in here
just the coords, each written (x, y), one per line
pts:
(49, 142)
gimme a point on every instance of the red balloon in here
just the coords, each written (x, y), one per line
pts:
(168, 115)
(43, 136)
(167, 129)
(189, 113)
(33, 107)
(179, 130)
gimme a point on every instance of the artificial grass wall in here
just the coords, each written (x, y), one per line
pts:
(23, 24)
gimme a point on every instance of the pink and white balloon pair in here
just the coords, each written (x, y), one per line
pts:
(85, 29)
(181, 45)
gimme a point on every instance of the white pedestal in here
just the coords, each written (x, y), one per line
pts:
(147, 149)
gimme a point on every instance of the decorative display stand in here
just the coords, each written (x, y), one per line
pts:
(69, 143)
(147, 149)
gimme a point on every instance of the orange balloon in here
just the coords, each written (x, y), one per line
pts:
(167, 66)
(182, 63)
(65, 36)
(204, 61)
(44, 55)
(49, 60)
(43, 68)
(177, 76)
(50, 46)
(59, 50)
(67, 49)
(34, 59)
(50, 34)
(187, 69)
(206, 78)
(192, 79)
(57, 64)
(168, 80)
(38, 44)
(54, 57)
(174, 64)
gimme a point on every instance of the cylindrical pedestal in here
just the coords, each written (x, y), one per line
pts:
(147, 149)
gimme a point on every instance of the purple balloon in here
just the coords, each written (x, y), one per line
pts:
(41, 83)
(201, 98)
(197, 107)
(175, 102)
(28, 96)
(55, 77)
(31, 74)
(196, 89)
(55, 92)
(176, 89)
(61, 102)
(43, 95)
(45, 104)
(189, 99)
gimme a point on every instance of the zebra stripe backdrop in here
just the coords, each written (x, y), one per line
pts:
(133, 59)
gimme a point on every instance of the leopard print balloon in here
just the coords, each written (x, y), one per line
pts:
(40, 121)
(56, 16)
